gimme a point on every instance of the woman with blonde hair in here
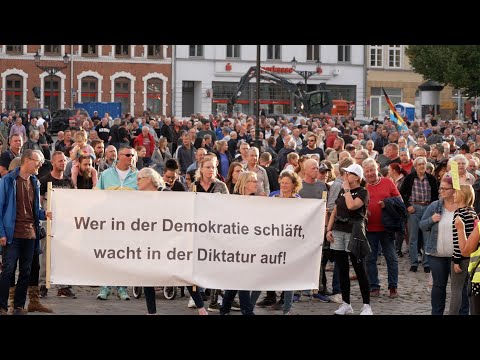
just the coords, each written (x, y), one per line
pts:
(246, 185)
(149, 180)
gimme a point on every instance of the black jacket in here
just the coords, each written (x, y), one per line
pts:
(394, 214)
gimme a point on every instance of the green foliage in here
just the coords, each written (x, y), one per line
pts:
(454, 65)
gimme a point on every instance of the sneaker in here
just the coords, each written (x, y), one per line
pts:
(214, 307)
(66, 293)
(366, 310)
(104, 293)
(344, 309)
(191, 304)
(321, 298)
(393, 293)
(122, 293)
(296, 298)
(43, 291)
(278, 305)
(266, 302)
(375, 293)
(413, 268)
(235, 306)
(287, 313)
(336, 298)
(426, 269)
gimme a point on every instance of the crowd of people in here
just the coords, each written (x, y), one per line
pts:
(371, 176)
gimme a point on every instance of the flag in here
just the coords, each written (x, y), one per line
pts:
(394, 115)
(394, 119)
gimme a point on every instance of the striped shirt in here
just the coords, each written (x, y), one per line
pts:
(468, 215)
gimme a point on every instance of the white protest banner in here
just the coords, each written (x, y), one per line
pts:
(143, 238)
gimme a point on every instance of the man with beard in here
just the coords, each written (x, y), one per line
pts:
(85, 180)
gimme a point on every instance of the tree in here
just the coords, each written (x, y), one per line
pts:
(454, 65)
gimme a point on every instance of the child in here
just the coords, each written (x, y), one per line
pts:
(81, 148)
(464, 199)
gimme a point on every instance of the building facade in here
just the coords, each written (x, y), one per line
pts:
(206, 76)
(388, 66)
(138, 76)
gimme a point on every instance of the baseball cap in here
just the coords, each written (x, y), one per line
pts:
(354, 169)
(334, 129)
(323, 167)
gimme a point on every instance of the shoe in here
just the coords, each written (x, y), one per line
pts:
(336, 298)
(296, 298)
(278, 305)
(321, 298)
(399, 253)
(214, 307)
(393, 293)
(43, 291)
(122, 293)
(20, 311)
(191, 304)
(235, 306)
(66, 293)
(287, 313)
(344, 309)
(204, 296)
(266, 302)
(104, 293)
(366, 310)
(375, 293)
(413, 268)
(426, 270)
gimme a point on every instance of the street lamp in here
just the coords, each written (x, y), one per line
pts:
(306, 74)
(51, 70)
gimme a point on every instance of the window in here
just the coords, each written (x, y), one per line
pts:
(376, 55)
(313, 52)
(51, 95)
(273, 52)
(154, 96)
(394, 56)
(122, 50)
(344, 53)
(196, 50)
(52, 49)
(155, 51)
(89, 89)
(14, 93)
(89, 50)
(122, 93)
(378, 105)
(14, 49)
(233, 51)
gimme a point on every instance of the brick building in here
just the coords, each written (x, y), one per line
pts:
(139, 76)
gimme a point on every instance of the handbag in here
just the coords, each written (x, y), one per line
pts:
(43, 232)
(358, 244)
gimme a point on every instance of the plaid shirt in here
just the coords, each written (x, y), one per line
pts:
(421, 191)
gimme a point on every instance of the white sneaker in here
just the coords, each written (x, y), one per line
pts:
(337, 298)
(344, 309)
(191, 304)
(366, 310)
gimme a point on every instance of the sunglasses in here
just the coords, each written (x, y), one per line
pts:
(127, 155)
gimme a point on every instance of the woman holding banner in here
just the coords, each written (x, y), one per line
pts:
(149, 180)
(246, 185)
(350, 206)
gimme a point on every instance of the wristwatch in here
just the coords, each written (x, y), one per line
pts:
(348, 190)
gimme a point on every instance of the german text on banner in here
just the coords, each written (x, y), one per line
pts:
(147, 238)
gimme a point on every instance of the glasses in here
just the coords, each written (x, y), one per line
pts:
(311, 140)
(127, 155)
(444, 189)
(38, 162)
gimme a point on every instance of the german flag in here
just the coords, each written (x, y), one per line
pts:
(397, 118)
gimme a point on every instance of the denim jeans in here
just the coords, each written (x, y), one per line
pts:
(440, 268)
(458, 290)
(287, 300)
(246, 306)
(413, 221)
(20, 250)
(387, 241)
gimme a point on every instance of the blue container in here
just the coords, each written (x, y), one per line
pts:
(113, 108)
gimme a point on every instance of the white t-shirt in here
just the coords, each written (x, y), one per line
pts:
(123, 174)
(445, 235)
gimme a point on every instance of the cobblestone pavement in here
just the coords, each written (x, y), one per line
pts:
(413, 299)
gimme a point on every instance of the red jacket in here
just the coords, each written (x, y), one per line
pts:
(139, 142)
